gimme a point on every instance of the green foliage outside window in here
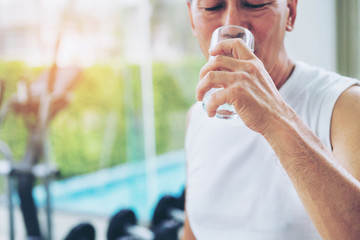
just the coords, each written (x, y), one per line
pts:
(102, 126)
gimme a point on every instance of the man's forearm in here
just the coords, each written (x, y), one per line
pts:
(330, 194)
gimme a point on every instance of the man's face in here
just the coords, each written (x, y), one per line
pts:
(268, 21)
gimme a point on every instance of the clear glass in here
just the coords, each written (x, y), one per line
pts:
(227, 111)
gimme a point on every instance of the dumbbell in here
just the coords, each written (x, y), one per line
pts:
(169, 208)
(82, 231)
(123, 225)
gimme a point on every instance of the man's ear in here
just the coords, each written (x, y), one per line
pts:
(191, 18)
(292, 6)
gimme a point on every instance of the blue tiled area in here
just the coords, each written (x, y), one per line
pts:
(106, 191)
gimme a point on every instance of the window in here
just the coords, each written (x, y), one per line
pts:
(348, 37)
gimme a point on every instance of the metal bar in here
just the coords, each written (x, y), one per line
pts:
(11, 208)
(48, 206)
(148, 103)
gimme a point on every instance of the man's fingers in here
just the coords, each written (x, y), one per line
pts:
(216, 100)
(219, 63)
(220, 79)
(236, 47)
(214, 79)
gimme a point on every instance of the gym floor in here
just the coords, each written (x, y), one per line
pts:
(63, 222)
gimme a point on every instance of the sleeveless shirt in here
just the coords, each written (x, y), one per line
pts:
(236, 187)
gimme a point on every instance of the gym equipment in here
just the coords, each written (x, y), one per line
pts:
(167, 230)
(123, 225)
(169, 208)
(82, 231)
(7, 170)
(38, 104)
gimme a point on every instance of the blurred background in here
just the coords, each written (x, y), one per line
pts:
(119, 143)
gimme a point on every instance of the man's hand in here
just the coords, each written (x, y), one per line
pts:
(247, 85)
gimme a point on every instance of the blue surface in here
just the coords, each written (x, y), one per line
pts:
(124, 186)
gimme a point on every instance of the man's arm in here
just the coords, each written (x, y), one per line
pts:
(327, 182)
(345, 131)
(188, 234)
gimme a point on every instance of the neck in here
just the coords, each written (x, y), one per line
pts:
(282, 69)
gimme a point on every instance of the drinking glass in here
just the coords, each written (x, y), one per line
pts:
(227, 111)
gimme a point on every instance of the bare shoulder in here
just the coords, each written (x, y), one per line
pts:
(347, 108)
(345, 130)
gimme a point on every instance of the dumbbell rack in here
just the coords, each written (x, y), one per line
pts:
(166, 223)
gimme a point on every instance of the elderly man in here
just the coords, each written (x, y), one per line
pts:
(294, 171)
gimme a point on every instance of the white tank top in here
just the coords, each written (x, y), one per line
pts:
(236, 186)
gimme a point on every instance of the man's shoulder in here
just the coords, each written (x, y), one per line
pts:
(313, 94)
(312, 73)
(310, 79)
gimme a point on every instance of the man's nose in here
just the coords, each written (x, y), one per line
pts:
(235, 16)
